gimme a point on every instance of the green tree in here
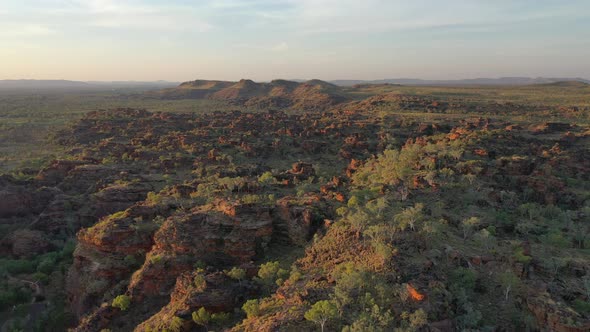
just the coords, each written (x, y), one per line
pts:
(350, 283)
(418, 319)
(374, 320)
(410, 216)
(122, 302)
(358, 220)
(509, 282)
(270, 272)
(377, 206)
(175, 325)
(236, 273)
(530, 210)
(266, 178)
(220, 318)
(587, 287)
(486, 238)
(251, 308)
(468, 225)
(201, 317)
(321, 312)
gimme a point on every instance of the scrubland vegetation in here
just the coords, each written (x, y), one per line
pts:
(378, 208)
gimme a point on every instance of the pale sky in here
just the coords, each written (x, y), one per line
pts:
(181, 40)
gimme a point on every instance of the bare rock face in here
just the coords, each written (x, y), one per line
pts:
(516, 166)
(554, 316)
(15, 201)
(26, 243)
(220, 294)
(294, 221)
(23, 201)
(222, 234)
(64, 215)
(119, 197)
(98, 320)
(88, 177)
(299, 170)
(232, 234)
(57, 171)
(106, 254)
(550, 127)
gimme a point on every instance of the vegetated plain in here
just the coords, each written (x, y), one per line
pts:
(296, 206)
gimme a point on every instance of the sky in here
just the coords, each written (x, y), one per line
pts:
(180, 40)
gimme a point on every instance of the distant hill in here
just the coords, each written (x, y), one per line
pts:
(475, 81)
(277, 93)
(73, 86)
(580, 84)
(42, 84)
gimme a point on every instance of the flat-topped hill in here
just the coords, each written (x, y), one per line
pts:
(277, 93)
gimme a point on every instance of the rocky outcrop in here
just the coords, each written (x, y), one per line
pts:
(220, 294)
(224, 234)
(310, 95)
(21, 200)
(57, 171)
(295, 223)
(108, 253)
(516, 166)
(555, 316)
(231, 234)
(89, 178)
(119, 197)
(64, 215)
(25, 243)
(551, 127)
(15, 201)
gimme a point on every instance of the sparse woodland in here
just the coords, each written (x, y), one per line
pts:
(301, 207)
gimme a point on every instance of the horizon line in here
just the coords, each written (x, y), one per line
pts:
(296, 79)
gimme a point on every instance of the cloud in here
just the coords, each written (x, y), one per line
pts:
(127, 14)
(280, 47)
(26, 30)
(350, 16)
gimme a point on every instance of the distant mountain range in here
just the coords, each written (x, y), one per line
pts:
(61, 85)
(277, 93)
(474, 81)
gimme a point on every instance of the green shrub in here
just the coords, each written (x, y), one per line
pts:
(131, 261)
(41, 277)
(201, 316)
(270, 272)
(464, 278)
(520, 257)
(13, 296)
(266, 178)
(17, 266)
(236, 273)
(122, 302)
(200, 282)
(251, 308)
(582, 307)
(156, 259)
(46, 265)
(555, 238)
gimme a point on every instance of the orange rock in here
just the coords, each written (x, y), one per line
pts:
(480, 152)
(454, 136)
(414, 293)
